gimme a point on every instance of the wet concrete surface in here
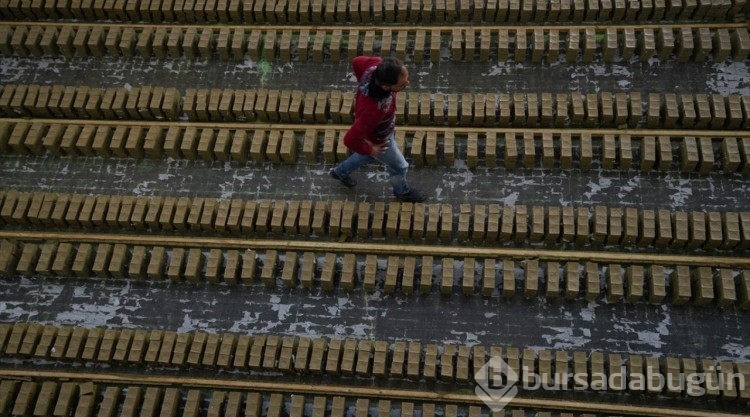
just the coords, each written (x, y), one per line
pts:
(616, 328)
(645, 329)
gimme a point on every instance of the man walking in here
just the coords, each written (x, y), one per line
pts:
(371, 137)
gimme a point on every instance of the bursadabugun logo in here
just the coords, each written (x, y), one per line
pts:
(496, 383)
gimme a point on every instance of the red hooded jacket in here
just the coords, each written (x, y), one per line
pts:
(374, 109)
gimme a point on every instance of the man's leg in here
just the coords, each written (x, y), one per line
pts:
(343, 170)
(397, 167)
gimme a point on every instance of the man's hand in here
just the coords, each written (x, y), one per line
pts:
(378, 149)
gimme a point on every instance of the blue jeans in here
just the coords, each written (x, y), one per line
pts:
(392, 158)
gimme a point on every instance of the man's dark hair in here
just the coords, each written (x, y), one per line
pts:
(388, 71)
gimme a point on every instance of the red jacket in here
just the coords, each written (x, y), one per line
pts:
(374, 109)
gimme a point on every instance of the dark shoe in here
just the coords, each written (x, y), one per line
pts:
(413, 196)
(348, 181)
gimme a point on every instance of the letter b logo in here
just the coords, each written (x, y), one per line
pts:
(491, 388)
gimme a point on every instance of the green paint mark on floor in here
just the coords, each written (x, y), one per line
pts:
(265, 70)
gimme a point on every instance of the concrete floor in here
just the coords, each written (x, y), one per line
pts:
(619, 328)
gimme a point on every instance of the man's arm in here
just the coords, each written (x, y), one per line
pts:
(360, 64)
(359, 135)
